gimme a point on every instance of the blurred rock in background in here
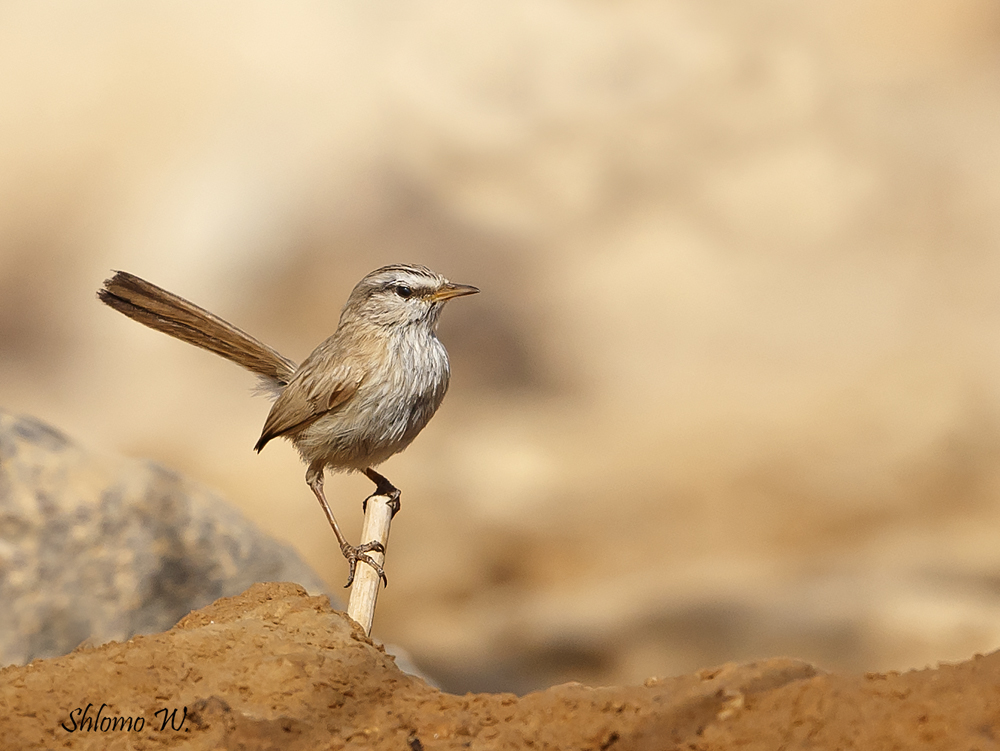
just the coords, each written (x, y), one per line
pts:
(94, 548)
(731, 391)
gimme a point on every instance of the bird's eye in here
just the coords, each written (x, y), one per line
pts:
(403, 291)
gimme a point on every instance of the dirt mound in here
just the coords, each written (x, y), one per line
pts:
(276, 668)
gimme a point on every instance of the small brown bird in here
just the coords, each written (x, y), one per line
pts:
(360, 397)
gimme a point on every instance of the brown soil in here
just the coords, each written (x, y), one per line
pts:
(275, 668)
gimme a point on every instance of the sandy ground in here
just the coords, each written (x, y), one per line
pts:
(731, 390)
(274, 668)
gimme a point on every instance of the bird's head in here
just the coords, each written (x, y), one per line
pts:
(400, 295)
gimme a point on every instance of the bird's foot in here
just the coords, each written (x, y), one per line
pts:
(360, 553)
(392, 495)
(384, 488)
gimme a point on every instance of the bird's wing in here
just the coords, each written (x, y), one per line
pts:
(311, 394)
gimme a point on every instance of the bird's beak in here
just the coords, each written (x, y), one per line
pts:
(450, 290)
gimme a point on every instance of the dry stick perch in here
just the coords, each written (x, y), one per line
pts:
(364, 591)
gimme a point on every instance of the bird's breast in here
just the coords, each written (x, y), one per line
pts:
(409, 390)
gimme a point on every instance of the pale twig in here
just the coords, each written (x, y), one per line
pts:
(364, 591)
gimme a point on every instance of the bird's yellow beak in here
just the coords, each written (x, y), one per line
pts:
(450, 290)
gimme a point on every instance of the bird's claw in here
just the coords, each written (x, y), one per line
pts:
(384, 488)
(393, 503)
(360, 553)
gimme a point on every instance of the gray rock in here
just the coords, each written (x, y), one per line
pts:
(94, 548)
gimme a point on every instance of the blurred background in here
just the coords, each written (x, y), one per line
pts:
(731, 390)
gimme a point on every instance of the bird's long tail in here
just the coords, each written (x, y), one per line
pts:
(173, 315)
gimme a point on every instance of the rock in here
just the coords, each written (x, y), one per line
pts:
(96, 548)
(275, 668)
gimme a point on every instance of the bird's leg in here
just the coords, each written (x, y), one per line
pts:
(382, 487)
(314, 478)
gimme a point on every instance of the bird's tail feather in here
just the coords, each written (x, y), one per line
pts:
(164, 311)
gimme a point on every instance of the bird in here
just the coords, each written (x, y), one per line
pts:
(360, 397)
